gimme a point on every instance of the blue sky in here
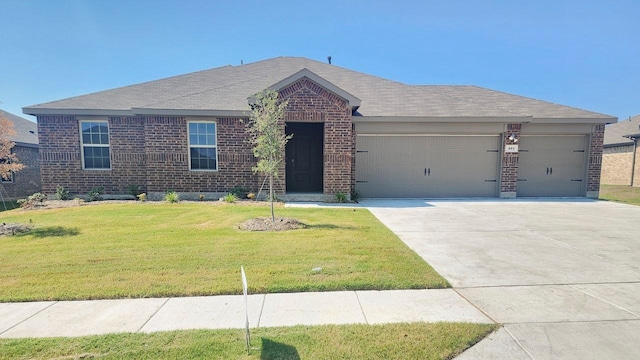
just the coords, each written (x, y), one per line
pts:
(584, 54)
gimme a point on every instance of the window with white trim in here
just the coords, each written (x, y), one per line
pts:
(94, 141)
(203, 152)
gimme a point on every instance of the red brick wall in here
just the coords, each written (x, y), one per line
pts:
(309, 102)
(151, 152)
(595, 158)
(509, 172)
(26, 181)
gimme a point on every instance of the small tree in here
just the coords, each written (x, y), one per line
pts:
(9, 162)
(268, 137)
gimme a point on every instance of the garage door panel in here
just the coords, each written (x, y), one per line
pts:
(427, 166)
(552, 166)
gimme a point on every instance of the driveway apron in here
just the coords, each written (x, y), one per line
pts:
(562, 275)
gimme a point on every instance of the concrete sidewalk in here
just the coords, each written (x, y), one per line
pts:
(80, 318)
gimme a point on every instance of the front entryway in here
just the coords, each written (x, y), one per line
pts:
(304, 154)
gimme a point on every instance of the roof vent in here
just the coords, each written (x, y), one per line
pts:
(31, 131)
(329, 59)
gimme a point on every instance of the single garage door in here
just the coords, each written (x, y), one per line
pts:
(427, 166)
(552, 165)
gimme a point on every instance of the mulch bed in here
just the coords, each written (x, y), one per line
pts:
(13, 229)
(266, 224)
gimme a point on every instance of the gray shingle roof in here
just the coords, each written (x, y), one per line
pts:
(26, 131)
(227, 89)
(614, 134)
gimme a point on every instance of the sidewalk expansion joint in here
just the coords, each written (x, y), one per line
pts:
(475, 306)
(605, 301)
(264, 299)
(361, 309)
(34, 314)
(547, 284)
(519, 343)
(154, 314)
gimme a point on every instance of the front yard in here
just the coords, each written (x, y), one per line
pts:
(132, 250)
(620, 193)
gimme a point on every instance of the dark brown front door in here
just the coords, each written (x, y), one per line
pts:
(304, 157)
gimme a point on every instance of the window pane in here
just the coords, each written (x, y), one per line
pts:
(202, 128)
(96, 157)
(193, 139)
(211, 140)
(104, 139)
(95, 138)
(86, 138)
(211, 128)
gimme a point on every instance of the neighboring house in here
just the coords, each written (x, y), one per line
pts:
(621, 158)
(26, 181)
(352, 132)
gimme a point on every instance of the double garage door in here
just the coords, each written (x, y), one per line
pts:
(427, 166)
(436, 166)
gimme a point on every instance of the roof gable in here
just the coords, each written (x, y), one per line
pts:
(353, 101)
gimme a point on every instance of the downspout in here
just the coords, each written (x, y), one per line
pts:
(633, 158)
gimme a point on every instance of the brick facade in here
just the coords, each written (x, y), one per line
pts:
(509, 168)
(616, 165)
(26, 181)
(150, 152)
(309, 102)
(595, 158)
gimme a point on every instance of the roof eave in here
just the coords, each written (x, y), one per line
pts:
(191, 112)
(608, 120)
(27, 145)
(447, 119)
(78, 112)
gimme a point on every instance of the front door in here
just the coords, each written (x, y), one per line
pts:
(304, 157)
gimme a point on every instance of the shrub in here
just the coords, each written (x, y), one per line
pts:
(341, 197)
(142, 197)
(32, 200)
(230, 198)
(239, 192)
(62, 193)
(94, 194)
(172, 197)
(201, 197)
(134, 190)
(355, 196)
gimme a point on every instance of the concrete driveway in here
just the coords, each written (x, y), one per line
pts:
(563, 276)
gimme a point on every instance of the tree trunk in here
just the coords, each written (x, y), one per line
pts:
(273, 217)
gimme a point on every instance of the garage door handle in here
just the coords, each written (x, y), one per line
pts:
(547, 171)
(550, 171)
(427, 172)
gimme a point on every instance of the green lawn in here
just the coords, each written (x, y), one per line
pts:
(132, 250)
(620, 193)
(392, 341)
